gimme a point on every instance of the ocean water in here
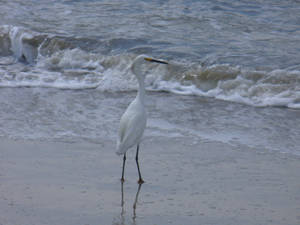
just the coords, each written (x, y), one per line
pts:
(241, 53)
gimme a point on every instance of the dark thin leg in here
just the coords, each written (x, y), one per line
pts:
(140, 181)
(124, 159)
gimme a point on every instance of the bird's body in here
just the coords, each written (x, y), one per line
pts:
(133, 121)
(132, 126)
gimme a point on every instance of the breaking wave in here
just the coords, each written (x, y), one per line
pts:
(29, 59)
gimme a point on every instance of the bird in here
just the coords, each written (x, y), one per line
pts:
(133, 121)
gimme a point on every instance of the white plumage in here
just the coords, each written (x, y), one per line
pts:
(132, 126)
(133, 121)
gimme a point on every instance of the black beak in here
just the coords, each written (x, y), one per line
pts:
(155, 60)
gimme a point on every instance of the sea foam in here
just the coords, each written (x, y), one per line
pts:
(30, 59)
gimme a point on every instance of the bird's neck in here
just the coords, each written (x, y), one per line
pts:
(141, 91)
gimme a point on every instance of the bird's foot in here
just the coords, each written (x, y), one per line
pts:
(141, 181)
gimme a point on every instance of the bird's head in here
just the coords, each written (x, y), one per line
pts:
(140, 61)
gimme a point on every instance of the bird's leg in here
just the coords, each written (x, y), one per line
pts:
(140, 181)
(124, 159)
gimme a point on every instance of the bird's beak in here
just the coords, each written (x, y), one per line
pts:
(155, 60)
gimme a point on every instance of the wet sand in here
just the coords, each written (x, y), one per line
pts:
(187, 182)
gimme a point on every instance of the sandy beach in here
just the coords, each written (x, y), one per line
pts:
(186, 183)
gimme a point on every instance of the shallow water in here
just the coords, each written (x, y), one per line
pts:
(93, 116)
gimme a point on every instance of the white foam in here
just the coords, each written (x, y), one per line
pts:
(256, 88)
(21, 49)
(77, 69)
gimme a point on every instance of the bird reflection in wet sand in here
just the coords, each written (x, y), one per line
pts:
(135, 201)
(134, 204)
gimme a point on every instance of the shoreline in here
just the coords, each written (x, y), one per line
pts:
(206, 182)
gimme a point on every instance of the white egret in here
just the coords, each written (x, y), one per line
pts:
(133, 121)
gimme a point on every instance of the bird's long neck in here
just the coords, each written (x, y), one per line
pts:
(141, 91)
